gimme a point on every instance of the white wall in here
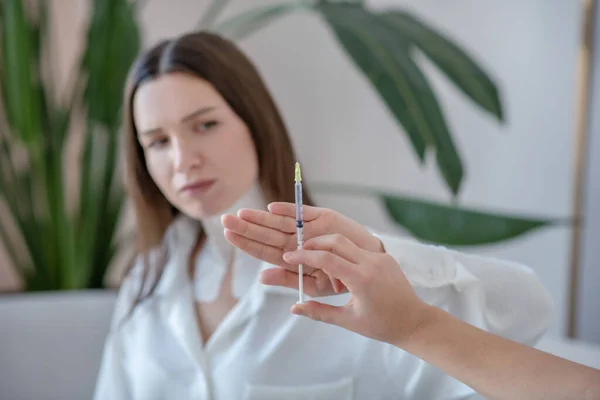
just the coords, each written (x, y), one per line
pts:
(343, 133)
(588, 326)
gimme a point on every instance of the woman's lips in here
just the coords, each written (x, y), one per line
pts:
(198, 188)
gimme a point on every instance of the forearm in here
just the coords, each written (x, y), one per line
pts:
(496, 367)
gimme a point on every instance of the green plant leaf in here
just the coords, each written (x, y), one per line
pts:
(454, 62)
(19, 80)
(457, 226)
(444, 224)
(246, 23)
(25, 107)
(385, 60)
(113, 43)
(46, 169)
(10, 249)
(52, 117)
(106, 250)
(7, 193)
(22, 107)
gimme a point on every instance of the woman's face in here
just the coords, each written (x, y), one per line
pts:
(198, 151)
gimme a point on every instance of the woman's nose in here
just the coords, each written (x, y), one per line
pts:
(185, 156)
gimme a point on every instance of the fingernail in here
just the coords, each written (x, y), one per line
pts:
(287, 256)
(297, 310)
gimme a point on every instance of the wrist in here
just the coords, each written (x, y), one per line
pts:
(425, 319)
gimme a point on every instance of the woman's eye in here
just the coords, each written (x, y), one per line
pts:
(158, 142)
(204, 126)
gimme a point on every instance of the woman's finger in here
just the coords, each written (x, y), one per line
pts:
(279, 222)
(314, 286)
(338, 286)
(332, 264)
(337, 244)
(272, 255)
(258, 233)
(315, 219)
(334, 315)
(322, 221)
(282, 223)
(309, 213)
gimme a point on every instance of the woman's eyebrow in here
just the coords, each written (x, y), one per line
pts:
(198, 112)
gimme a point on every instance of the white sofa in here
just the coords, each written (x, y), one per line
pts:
(51, 343)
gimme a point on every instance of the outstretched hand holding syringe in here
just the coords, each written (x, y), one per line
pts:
(268, 234)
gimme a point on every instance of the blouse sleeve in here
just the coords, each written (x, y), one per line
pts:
(501, 297)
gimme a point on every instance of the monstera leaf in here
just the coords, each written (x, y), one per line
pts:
(382, 45)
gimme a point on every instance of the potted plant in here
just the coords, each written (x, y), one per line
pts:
(60, 241)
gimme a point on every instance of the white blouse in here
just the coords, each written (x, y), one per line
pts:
(262, 351)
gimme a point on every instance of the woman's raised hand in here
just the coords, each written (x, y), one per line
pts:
(267, 235)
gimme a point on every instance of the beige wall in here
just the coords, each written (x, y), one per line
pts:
(344, 134)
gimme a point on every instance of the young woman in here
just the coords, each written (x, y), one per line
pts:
(194, 319)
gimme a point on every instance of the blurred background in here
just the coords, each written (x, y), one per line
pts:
(499, 154)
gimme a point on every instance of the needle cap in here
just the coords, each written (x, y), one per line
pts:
(298, 173)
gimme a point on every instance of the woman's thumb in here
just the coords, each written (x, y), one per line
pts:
(321, 312)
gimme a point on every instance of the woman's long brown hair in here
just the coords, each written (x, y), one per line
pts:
(219, 62)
